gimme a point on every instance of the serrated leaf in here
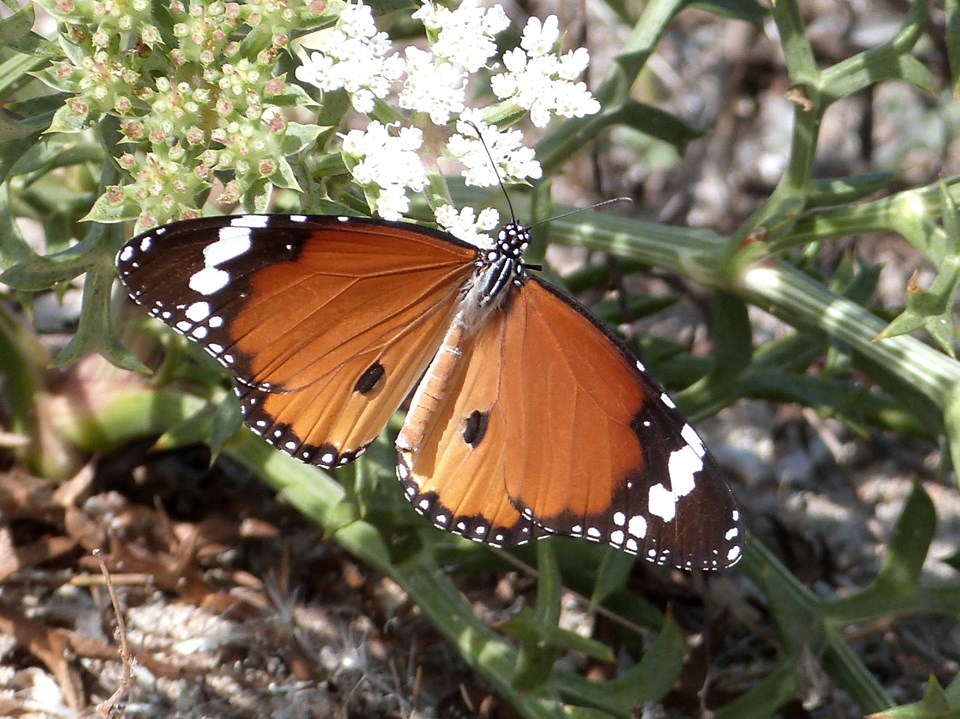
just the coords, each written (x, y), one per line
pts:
(909, 544)
(653, 678)
(107, 211)
(38, 272)
(283, 177)
(295, 96)
(256, 199)
(227, 421)
(746, 10)
(299, 136)
(16, 33)
(934, 705)
(654, 122)
(95, 330)
(65, 120)
(933, 309)
(17, 139)
(612, 576)
(835, 191)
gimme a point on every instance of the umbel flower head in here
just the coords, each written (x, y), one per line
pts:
(435, 86)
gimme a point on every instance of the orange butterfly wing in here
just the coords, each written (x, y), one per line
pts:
(552, 427)
(331, 322)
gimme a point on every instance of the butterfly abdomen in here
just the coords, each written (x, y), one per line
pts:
(430, 394)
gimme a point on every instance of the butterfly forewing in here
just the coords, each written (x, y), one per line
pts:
(325, 322)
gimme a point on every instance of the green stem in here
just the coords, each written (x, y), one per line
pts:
(803, 302)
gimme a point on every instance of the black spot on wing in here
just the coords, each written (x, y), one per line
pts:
(371, 379)
(476, 427)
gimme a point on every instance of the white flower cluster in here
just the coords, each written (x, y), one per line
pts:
(540, 81)
(390, 162)
(468, 226)
(353, 57)
(357, 58)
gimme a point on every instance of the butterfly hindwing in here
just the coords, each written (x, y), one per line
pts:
(559, 418)
(457, 477)
(326, 323)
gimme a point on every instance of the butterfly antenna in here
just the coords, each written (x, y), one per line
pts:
(506, 196)
(581, 209)
(493, 164)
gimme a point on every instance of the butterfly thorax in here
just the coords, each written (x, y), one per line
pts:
(499, 269)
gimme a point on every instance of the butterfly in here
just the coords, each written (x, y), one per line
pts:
(530, 418)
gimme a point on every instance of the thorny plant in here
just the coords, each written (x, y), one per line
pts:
(159, 112)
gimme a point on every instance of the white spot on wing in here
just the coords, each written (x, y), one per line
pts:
(125, 254)
(683, 465)
(208, 280)
(691, 437)
(233, 242)
(198, 311)
(667, 401)
(249, 221)
(637, 526)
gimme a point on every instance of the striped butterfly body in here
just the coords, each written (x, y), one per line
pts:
(530, 417)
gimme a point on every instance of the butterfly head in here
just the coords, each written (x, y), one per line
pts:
(501, 267)
(513, 240)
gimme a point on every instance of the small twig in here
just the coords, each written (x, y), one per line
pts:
(127, 579)
(109, 707)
